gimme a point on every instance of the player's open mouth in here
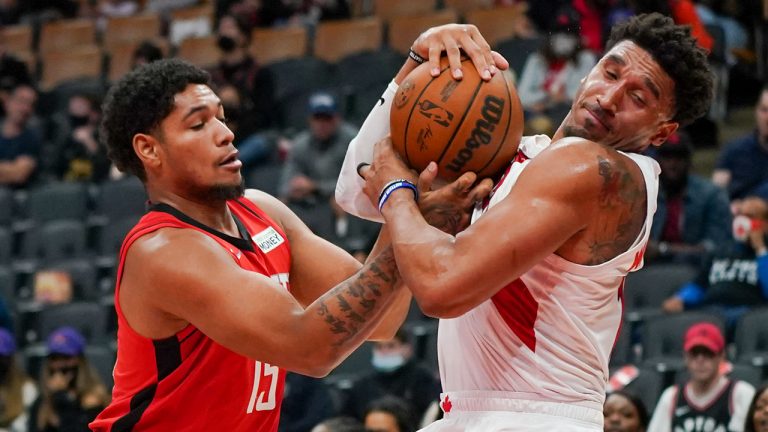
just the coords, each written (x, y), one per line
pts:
(231, 161)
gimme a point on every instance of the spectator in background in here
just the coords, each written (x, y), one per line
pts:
(682, 11)
(306, 402)
(308, 180)
(624, 412)
(258, 13)
(238, 69)
(743, 163)
(79, 156)
(146, 52)
(552, 75)
(708, 397)
(757, 415)
(340, 424)
(737, 279)
(17, 391)
(72, 393)
(389, 414)
(396, 373)
(13, 71)
(9, 12)
(692, 218)
(19, 139)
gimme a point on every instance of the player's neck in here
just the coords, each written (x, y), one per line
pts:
(212, 213)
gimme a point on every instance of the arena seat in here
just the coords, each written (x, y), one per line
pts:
(70, 63)
(135, 28)
(200, 51)
(17, 38)
(66, 34)
(496, 24)
(403, 30)
(662, 338)
(272, 45)
(752, 337)
(388, 9)
(335, 40)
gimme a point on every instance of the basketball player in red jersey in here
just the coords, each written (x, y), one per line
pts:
(220, 291)
(530, 295)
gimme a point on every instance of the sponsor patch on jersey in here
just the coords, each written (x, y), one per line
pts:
(268, 239)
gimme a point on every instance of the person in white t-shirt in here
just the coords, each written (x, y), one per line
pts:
(708, 400)
(530, 295)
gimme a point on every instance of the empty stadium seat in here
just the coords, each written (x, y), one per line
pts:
(135, 28)
(199, 50)
(496, 24)
(646, 289)
(403, 30)
(752, 337)
(63, 35)
(17, 38)
(335, 40)
(516, 51)
(388, 9)
(69, 64)
(270, 45)
(54, 241)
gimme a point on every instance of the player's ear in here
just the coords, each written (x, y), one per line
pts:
(146, 148)
(665, 130)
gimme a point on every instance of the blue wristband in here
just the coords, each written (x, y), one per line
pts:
(393, 186)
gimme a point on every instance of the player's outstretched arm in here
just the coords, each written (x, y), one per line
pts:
(174, 277)
(552, 200)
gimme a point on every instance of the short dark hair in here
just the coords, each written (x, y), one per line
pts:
(148, 51)
(677, 52)
(139, 102)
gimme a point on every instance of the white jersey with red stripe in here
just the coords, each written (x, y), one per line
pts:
(548, 335)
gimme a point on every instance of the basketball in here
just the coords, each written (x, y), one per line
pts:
(466, 125)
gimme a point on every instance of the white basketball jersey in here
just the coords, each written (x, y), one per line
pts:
(548, 335)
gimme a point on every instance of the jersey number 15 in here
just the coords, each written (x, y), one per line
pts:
(263, 401)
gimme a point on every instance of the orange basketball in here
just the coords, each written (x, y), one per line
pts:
(466, 125)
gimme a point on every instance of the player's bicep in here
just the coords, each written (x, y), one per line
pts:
(544, 209)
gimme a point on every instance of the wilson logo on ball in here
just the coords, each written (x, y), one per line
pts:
(493, 108)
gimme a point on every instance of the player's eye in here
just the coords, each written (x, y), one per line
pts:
(198, 126)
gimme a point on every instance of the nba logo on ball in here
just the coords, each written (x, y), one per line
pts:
(464, 125)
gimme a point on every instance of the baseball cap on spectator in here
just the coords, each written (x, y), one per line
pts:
(7, 342)
(706, 335)
(322, 104)
(66, 341)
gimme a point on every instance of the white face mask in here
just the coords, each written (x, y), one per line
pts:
(563, 44)
(742, 226)
(387, 362)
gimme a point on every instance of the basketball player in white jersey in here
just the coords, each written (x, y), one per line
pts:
(530, 295)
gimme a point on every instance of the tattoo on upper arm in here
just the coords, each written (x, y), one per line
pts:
(349, 307)
(621, 210)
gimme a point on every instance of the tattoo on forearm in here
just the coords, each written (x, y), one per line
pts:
(444, 217)
(349, 307)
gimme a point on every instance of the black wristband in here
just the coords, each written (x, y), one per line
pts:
(415, 57)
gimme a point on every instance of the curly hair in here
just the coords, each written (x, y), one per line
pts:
(679, 56)
(138, 103)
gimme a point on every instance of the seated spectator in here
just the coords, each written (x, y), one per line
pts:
(238, 69)
(397, 373)
(692, 217)
(389, 414)
(146, 52)
(624, 412)
(708, 397)
(12, 70)
(78, 155)
(757, 415)
(737, 279)
(17, 390)
(260, 13)
(552, 75)
(340, 424)
(72, 393)
(306, 402)
(19, 139)
(743, 163)
(308, 179)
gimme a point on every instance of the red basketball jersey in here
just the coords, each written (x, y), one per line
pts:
(188, 382)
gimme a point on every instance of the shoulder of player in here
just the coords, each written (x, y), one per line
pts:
(154, 251)
(273, 207)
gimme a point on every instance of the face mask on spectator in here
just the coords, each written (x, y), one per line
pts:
(226, 43)
(76, 121)
(743, 225)
(563, 44)
(387, 362)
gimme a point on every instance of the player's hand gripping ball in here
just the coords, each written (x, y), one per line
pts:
(466, 125)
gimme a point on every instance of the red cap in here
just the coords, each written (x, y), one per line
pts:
(704, 334)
